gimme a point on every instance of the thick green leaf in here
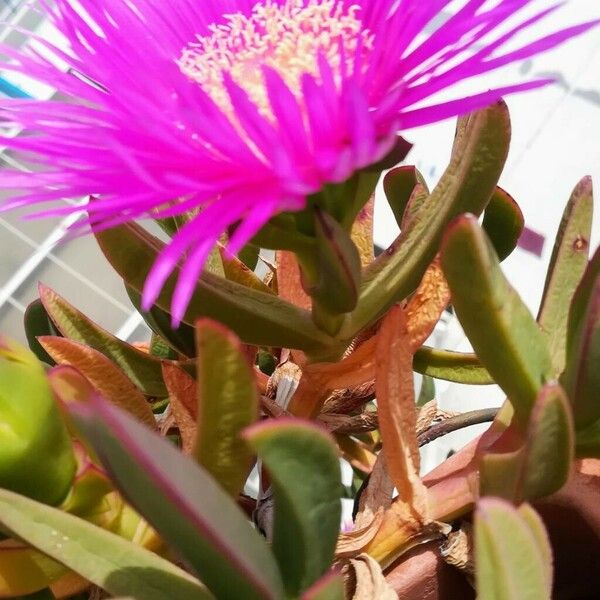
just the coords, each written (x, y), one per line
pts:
(479, 154)
(451, 366)
(503, 222)
(103, 558)
(337, 266)
(227, 404)
(182, 502)
(512, 553)
(258, 318)
(181, 339)
(580, 302)
(398, 185)
(550, 445)
(305, 471)
(503, 333)
(143, 370)
(37, 322)
(582, 375)
(541, 465)
(567, 266)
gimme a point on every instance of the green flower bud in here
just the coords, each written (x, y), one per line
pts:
(36, 453)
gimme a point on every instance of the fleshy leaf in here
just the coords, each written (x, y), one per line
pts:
(305, 472)
(398, 185)
(511, 553)
(503, 222)
(103, 558)
(227, 404)
(581, 378)
(37, 322)
(182, 502)
(258, 318)
(498, 324)
(180, 339)
(451, 366)
(542, 464)
(338, 266)
(143, 369)
(550, 444)
(479, 154)
(103, 374)
(567, 266)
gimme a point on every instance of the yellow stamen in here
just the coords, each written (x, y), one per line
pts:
(287, 38)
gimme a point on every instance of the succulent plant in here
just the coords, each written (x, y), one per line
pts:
(124, 467)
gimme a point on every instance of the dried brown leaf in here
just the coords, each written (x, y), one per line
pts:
(457, 550)
(397, 410)
(183, 402)
(289, 280)
(364, 580)
(424, 309)
(104, 375)
(375, 499)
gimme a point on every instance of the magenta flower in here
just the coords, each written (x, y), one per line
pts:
(237, 110)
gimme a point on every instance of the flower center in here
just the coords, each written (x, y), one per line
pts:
(288, 37)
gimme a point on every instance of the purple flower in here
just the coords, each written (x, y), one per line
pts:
(233, 111)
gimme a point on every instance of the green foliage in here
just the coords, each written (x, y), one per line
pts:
(156, 507)
(480, 150)
(102, 557)
(143, 369)
(512, 553)
(227, 404)
(451, 366)
(304, 467)
(567, 266)
(499, 326)
(257, 317)
(183, 503)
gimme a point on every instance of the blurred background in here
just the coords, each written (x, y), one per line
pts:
(556, 141)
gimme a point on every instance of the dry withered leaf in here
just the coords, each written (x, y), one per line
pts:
(375, 499)
(430, 414)
(284, 383)
(320, 379)
(289, 280)
(397, 411)
(457, 550)
(364, 580)
(424, 309)
(183, 403)
(104, 375)
(350, 399)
